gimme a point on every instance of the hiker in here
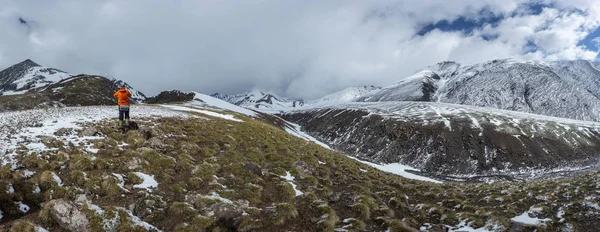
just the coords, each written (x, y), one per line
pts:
(123, 96)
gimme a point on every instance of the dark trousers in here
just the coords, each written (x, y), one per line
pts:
(123, 114)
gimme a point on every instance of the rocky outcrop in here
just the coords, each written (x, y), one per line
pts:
(170, 97)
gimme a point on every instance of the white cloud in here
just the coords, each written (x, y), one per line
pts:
(299, 48)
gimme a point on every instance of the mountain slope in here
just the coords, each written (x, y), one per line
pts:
(196, 172)
(419, 87)
(568, 89)
(454, 140)
(346, 95)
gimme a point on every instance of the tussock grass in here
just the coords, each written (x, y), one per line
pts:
(204, 163)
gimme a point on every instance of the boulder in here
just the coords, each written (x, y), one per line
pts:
(64, 132)
(89, 131)
(142, 207)
(68, 215)
(304, 169)
(228, 214)
(253, 168)
(155, 143)
(134, 164)
(146, 132)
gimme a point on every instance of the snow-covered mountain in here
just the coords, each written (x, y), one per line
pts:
(30, 77)
(27, 76)
(135, 94)
(346, 95)
(259, 100)
(266, 102)
(569, 89)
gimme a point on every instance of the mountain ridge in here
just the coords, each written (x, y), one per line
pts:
(567, 89)
(28, 85)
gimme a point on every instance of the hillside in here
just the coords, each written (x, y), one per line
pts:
(456, 141)
(191, 168)
(27, 85)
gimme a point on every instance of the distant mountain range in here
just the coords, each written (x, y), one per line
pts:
(568, 89)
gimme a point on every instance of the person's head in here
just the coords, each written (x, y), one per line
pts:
(121, 86)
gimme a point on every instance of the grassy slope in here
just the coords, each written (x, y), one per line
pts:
(205, 156)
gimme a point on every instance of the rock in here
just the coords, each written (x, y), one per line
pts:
(142, 207)
(68, 215)
(253, 168)
(228, 214)
(46, 139)
(64, 132)
(146, 132)
(335, 197)
(90, 131)
(439, 228)
(155, 143)
(134, 164)
(81, 198)
(303, 169)
(132, 126)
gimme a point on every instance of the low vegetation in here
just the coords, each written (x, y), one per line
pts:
(220, 175)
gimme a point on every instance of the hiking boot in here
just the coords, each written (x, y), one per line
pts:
(126, 122)
(120, 124)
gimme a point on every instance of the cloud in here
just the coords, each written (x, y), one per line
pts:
(302, 49)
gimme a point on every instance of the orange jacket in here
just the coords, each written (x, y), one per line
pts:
(123, 96)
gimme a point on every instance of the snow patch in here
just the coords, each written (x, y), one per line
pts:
(398, 169)
(290, 179)
(148, 181)
(209, 113)
(57, 179)
(527, 220)
(296, 130)
(22, 207)
(215, 102)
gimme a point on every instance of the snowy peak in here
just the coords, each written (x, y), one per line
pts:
(135, 94)
(419, 87)
(256, 99)
(346, 95)
(26, 76)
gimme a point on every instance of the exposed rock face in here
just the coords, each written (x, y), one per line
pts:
(68, 215)
(170, 97)
(451, 144)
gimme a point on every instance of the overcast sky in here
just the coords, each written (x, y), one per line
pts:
(300, 49)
